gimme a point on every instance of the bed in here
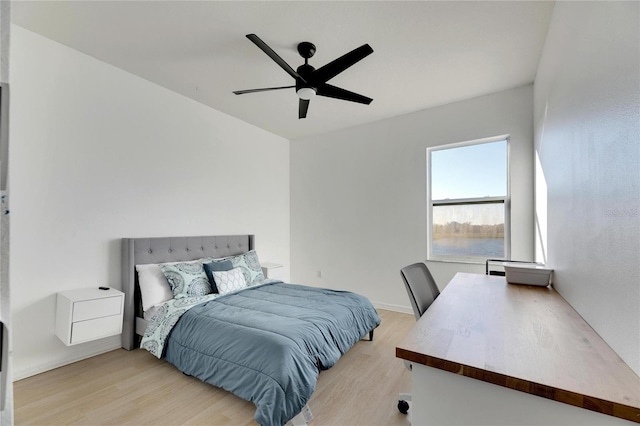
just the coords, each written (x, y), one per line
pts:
(265, 341)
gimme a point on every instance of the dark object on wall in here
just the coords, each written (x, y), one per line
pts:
(4, 359)
(311, 81)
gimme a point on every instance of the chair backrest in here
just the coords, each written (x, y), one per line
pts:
(421, 287)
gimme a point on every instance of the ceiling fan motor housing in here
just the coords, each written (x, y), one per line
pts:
(305, 72)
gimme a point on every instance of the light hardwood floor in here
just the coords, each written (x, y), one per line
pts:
(135, 388)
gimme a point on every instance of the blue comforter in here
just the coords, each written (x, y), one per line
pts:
(267, 344)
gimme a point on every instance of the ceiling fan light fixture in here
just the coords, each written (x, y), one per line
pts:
(306, 93)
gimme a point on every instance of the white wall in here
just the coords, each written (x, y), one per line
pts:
(587, 142)
(98, 154)
(358, 196)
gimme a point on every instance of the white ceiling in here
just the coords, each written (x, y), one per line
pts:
(425, 53)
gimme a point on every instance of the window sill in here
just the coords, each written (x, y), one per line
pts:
(459, 261)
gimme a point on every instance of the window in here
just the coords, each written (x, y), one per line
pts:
(468, 200)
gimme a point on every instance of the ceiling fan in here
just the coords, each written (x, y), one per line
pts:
(311, 81)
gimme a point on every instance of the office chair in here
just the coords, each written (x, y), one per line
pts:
(422, 291)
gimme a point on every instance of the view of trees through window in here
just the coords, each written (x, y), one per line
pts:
(479, 233)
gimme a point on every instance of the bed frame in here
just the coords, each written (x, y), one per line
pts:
(137, 251)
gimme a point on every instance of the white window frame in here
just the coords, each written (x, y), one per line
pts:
(468, 201)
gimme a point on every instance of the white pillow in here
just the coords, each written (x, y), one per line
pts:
(154, 287)
(228, 281)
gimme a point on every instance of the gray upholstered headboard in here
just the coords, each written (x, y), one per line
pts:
(137, 251)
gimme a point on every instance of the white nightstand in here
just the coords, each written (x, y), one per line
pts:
(88, 314)
(272, 270)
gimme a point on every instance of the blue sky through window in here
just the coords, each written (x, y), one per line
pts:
(473, 171)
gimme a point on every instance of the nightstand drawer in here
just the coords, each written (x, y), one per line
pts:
(97, 308)
(96, 328)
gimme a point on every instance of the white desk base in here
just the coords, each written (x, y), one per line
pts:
(443, 398)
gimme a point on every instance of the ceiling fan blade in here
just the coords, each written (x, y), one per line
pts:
(273, 55)
(335, 67)
(330, 91)
(303, 106)
(242, 92)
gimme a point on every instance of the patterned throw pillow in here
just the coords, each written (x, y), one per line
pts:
(216, 265)
(250, 266)
(187, 279)
(228, 281)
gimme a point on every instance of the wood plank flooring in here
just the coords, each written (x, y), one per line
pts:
(134, 388)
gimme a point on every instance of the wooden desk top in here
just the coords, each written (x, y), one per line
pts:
(524, 338)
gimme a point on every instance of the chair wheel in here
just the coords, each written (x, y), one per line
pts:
(403, 406)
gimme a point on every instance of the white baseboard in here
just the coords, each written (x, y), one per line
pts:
(394, 308)
(32, 370)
